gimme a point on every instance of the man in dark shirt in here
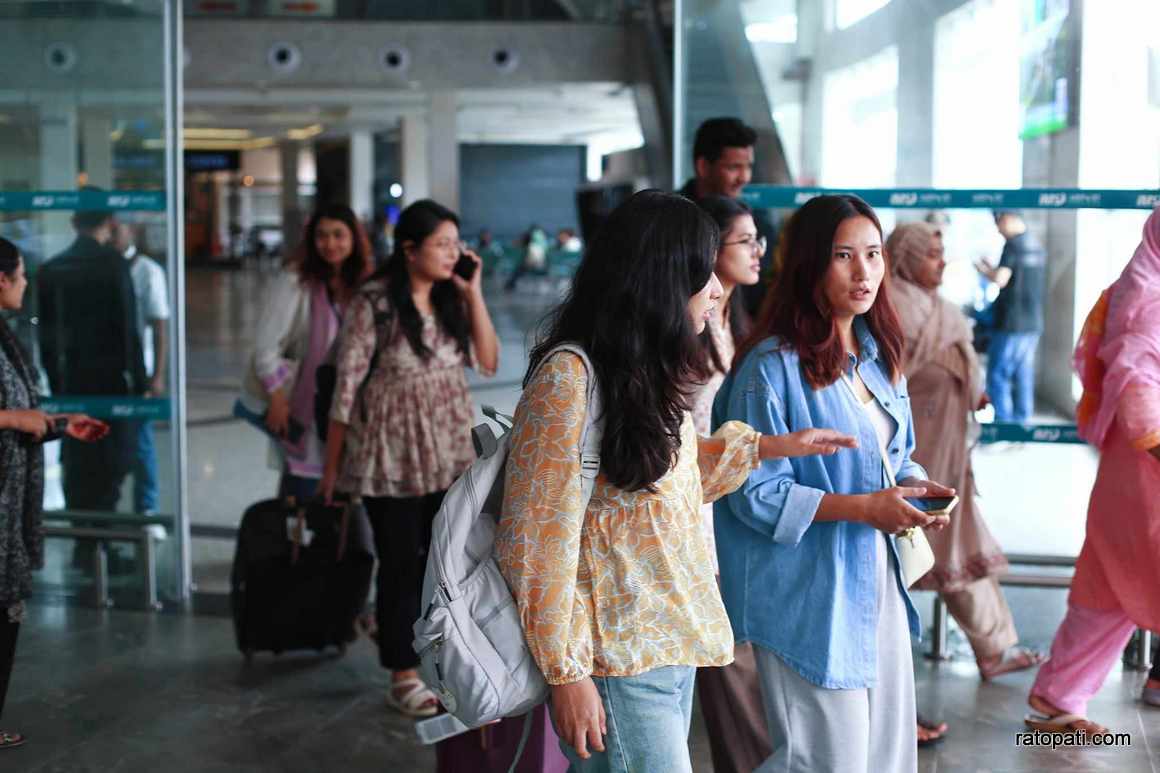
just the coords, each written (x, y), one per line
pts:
(723, 166)
(1022, 279)
(90, 346)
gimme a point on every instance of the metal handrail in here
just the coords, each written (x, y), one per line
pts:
(100, 566)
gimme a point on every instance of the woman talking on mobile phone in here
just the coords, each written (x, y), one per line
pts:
(809, 567)
(400, 420)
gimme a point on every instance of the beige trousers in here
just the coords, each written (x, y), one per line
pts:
(981, 611)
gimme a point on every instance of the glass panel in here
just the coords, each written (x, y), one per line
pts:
(83, 195)
(947, 111)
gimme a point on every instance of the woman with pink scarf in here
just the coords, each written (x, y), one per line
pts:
(1118, 571)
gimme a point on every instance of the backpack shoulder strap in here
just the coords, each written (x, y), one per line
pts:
(592, 435)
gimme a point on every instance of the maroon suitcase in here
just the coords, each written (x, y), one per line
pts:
(492, 748)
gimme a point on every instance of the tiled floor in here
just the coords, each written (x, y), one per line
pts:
(126, 691)
(135, 693)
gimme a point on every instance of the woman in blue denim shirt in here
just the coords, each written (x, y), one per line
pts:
(809, 567)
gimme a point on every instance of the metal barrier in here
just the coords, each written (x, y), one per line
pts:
(94, 530)
(1139, 660)
(143, 538)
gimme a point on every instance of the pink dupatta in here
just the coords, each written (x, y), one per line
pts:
(1119, 348)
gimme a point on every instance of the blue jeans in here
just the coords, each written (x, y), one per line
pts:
(648, 718)
(145, 471)
(1011, 375)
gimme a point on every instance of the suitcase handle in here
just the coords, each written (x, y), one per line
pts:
(300, 531)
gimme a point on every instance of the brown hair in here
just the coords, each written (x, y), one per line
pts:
(310, 265)
(796, 309)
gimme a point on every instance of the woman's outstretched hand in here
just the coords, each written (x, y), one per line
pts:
(27, 420)
(85, 428)
(806, 442)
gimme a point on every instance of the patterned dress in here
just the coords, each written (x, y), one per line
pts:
(627, 585)
(410, 420)
(21, 484)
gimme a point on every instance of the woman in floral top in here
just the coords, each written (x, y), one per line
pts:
(400, 423)
(618, 600)
(730, 696)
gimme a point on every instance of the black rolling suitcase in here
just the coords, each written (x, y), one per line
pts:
(301, 575)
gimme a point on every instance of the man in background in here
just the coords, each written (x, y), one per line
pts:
(152, 297)
(723, 166)
(1018, 318)
(90, 346)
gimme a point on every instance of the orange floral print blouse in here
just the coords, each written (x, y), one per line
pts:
(628, 585)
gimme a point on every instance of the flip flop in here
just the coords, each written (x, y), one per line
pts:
(1151, 696)
(411, 697)
(11, 740)
(1013, 659)
(1064, 723)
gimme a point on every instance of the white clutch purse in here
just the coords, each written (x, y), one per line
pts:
(914, 553)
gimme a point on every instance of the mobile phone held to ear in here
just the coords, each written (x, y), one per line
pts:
(465, 266)
(934, 505)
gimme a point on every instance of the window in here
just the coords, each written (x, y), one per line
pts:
(847, 13)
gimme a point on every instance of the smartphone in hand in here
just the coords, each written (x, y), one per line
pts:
(934, 505)
(58, 425)
(465, 266)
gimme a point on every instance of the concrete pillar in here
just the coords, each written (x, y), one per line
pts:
(362, 172)
(443, 149)
(413, 151)
(291, 215)
(58, 166)
(97, 149)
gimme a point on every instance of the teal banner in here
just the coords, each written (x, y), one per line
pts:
(1030, 433)
(781, 196)
(154, 408)
(122, 201)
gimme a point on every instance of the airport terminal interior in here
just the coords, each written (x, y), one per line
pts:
(211, 130)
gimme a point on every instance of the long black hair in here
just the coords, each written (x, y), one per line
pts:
(310, 264)
(416, 223)
(9, 262)
(725, 211)
(628, 309)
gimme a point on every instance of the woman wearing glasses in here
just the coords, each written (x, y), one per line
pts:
(730, 695)
(400, 423)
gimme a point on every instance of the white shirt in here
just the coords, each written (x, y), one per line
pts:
(152, 299)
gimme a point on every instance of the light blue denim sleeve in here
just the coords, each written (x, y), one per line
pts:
(771, 500)
(909, 468)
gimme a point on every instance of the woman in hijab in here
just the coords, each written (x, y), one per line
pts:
(1114, 589)
(945, 389)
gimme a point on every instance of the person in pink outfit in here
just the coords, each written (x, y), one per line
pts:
(1113, 593)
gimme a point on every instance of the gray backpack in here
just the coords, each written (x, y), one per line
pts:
(470, 641)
